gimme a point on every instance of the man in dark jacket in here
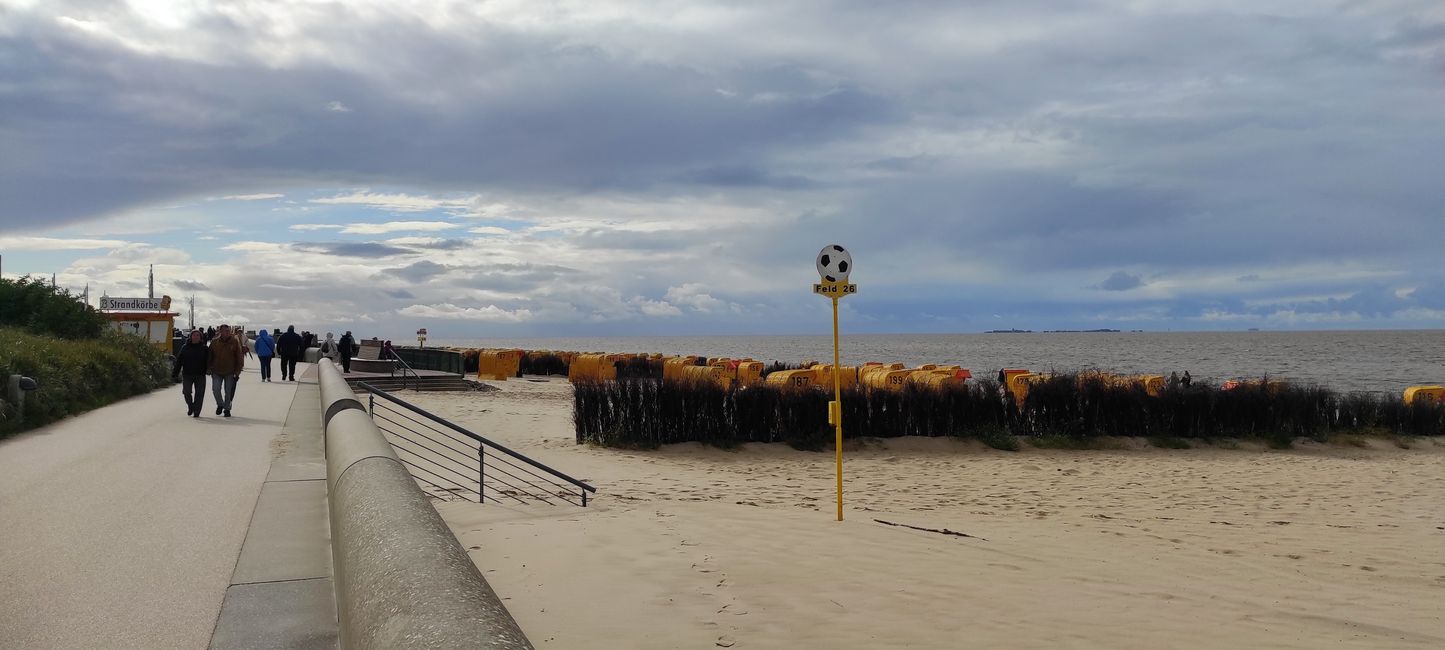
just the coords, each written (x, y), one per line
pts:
(190, 366)
(290, 346)
(348, 347)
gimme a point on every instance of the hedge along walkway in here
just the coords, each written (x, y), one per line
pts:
(122, 525)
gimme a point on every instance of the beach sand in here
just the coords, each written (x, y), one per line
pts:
(692, 547)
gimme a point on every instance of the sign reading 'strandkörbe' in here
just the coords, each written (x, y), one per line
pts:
(132, 304)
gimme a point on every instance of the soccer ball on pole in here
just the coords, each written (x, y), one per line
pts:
(834, 263)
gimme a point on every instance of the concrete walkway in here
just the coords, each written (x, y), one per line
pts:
(121, 528)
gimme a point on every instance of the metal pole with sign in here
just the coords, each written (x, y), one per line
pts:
(834, 264)
(421, 338)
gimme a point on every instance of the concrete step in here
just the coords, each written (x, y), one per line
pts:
(429, 384)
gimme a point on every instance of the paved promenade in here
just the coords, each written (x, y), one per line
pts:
(120, 528)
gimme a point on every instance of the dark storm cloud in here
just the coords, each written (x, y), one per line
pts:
(419, 271)
(443, 244)
(351, 249)
(745, 176)
(190, 285)
(1064, 139)
(88, 140)
(1121, 281)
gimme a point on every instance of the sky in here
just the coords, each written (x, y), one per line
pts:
(598, 168)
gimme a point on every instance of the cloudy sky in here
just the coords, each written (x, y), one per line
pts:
(513, 168)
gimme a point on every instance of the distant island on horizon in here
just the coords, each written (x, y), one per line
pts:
(1018, 331)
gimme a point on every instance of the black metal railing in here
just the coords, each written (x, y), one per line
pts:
(403, 367)
(458, 463)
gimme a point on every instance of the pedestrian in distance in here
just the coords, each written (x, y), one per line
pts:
(190, 366)
(348, 348)
(330, 348)
(388, 352)
(289, 344)
(265, 348)
(1186, 380)
(240, 333)
(226, 360)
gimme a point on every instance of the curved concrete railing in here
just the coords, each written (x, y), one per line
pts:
(402, 579)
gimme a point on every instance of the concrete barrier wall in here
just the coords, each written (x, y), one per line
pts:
(402, 579)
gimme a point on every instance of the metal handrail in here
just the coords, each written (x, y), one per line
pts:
(405, 367)
(481, 441)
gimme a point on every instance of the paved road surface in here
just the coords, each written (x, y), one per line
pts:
(120, 528)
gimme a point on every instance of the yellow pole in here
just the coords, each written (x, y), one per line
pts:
(837, 407)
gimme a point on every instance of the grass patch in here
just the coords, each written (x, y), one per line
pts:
(1279, 442)
(1000, 439)
(1349, 440)
(76, 375)
(1056, 441)
(1169, 442)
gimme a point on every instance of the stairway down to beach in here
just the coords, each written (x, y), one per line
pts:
(422, 383)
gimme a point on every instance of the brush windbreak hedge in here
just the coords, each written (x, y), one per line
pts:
(646, 412)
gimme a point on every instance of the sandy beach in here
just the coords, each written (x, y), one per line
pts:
(693, 547)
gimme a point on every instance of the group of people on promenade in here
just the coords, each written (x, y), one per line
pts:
(221, 355)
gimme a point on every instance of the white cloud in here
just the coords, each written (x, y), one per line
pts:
(692, 295)
(448, 311)
(251, 197)
(396, 226)
(316, 226)
(338, 107)
(656, 307)
(56, 244)
(489, 230)
(253, 246)
(397, 202)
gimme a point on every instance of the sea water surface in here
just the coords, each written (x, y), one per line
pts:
(1342, 360)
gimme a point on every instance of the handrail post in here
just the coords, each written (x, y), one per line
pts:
(481, 472)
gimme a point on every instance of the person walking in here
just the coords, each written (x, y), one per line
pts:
(388, 352)
(190, 367)
(329, 348)
(348, 348)
(225, 362)
(290, 347)
(265, 348)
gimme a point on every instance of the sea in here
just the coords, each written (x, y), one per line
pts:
(1373, 361)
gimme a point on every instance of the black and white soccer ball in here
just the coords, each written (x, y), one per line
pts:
(834, 263)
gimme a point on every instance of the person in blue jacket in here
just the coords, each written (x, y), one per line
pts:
(265, 348)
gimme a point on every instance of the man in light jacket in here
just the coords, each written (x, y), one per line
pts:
(226, 359)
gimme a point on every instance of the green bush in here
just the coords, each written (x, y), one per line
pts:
(76, 375)
(36, 306)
